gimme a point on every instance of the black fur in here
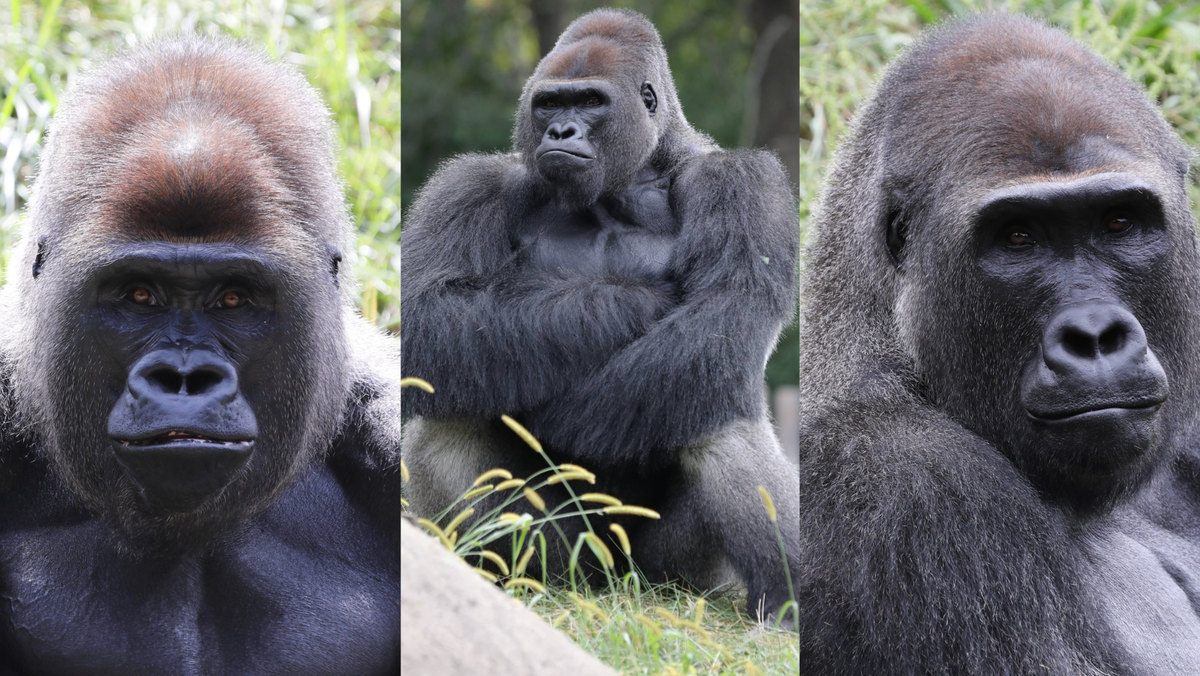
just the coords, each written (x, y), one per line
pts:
(618, 357)
(166, 169)
(946, 530)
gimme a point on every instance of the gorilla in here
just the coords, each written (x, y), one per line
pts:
(199, 439)
(999, 347)
(615, 283)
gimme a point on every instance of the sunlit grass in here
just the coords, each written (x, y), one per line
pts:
(634, 625)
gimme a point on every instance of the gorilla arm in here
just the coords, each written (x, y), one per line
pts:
(490, 334)
(700, 366)
(919, 534)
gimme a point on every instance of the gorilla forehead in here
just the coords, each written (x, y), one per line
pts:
(1007, 97)
(198, 155)
(591, 57)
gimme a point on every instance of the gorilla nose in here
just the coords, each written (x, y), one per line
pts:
(1094, 339)
(563, 131)
(172, 374)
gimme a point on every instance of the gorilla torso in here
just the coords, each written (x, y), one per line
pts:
(316, 600)
(628, 236)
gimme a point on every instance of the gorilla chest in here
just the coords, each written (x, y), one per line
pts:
(630, 236)
(1146, 584)
(275, 602)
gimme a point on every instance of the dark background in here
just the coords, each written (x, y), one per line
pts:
(735, 63)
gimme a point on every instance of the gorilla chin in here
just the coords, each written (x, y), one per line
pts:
(577, 180)
(1103, 452)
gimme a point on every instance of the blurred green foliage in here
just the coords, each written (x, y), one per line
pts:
(348, 49)
(844, 44)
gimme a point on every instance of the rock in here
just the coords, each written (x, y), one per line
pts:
(453, 623)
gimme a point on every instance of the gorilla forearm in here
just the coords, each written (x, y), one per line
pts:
(700, 367)
(496, 351)
(490, 334)
(912, 525)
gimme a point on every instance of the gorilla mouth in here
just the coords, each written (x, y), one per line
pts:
(1071, 414)
(565, 152)
(184, 437)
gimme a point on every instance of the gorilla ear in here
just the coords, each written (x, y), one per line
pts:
(335, 264)
(897, 227)
(649, 97)
(40, 259)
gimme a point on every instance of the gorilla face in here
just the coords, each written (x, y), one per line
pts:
(590, 131)
(196, 380)
(1071, 258)
(1050, 326)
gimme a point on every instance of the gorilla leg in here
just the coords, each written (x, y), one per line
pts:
(713, 515)
(445, 456)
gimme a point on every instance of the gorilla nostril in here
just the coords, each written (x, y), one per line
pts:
(1113, 339)
(199, 382)
(1078, 343)
(166, 380)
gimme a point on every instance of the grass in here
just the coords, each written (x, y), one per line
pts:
(630, 624)
(348, 50)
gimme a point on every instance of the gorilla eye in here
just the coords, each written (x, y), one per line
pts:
(232, 299)
(549, 104)
(1118, 224)
(593, 101)
(1020, 238)
(142, 296)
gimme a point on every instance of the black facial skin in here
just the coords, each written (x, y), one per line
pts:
(186, 318)
(1068, 256)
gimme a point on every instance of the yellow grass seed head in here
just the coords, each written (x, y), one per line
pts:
(403, 502)
(496, 559)
(476, 492)
(634, 510)
(622, 536)
(601, 550)
(403, 472)
(588, 607)
(523, 433)
(525, 582)
(511, 483)
(523, 561)
(699, 616)
(569, 467)
(417, 383)
(492, 474)
(436, 530)
(490, 577)
(459, 518)
(768, 503)
(453, 540)
(653, 627)
(537, 501)
(508, 518)
(571, 476)
(752, 670)
(602, 498)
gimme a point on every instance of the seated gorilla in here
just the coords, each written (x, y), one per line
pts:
(199, 452)
(616, 284)
(999, 352)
